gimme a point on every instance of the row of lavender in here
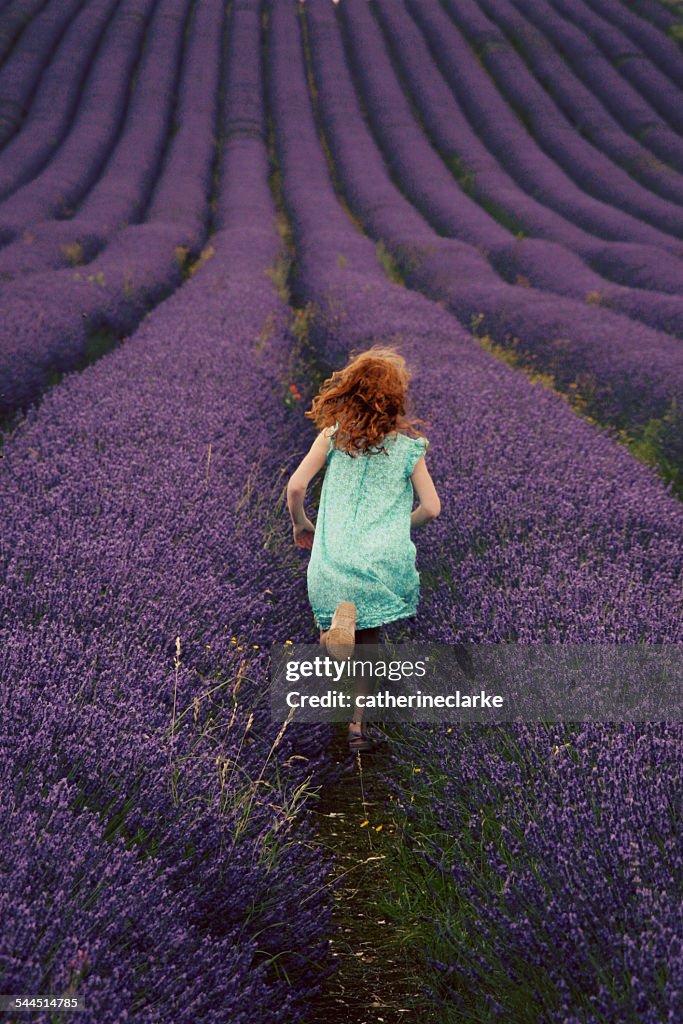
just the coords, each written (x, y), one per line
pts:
(559, 324)
(549, 532)
(561, 167)
(447, 116)
(593, 161)
(14, 20)
(142, 216)
(85, 134)
(19, 78)
(553, 858)
(158, 859)
(498, 161)
(121, 192)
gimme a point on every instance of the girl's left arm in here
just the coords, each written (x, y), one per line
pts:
(302, 527)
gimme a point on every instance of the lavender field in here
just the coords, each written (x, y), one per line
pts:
(205, 206)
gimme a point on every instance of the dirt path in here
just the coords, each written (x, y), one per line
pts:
(378, 979)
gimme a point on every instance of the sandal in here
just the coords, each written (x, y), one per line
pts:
(341, 636)
(363, 743)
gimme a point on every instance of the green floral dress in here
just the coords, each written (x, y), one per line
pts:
(362, 550)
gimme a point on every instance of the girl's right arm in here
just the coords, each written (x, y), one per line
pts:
(302, 527)
(429, 503)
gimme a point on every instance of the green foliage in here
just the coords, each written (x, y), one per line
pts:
(73, 252)
(389, 264)
(504, 217)
(460, 170)
(422, 896)
(100, 341)
(660, 444)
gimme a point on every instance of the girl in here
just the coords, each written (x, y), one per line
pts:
(362, 574)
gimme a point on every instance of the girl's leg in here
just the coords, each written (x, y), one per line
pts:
(372, 635)
(364, 636)
(369, 636)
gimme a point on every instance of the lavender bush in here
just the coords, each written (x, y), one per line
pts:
(504, 134)
(554, 860)
(21, 72)
(603, 78)
(53, 320)
(585, 348)
(14, 20)
(161, 862)
(91, 128)
(483, 177)
(652, 13)
(587, 166)
(528, 526)
(643, 73)
(579, 96)
(484, 394)
(120, 195)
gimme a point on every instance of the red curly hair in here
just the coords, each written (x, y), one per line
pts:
(368, 398)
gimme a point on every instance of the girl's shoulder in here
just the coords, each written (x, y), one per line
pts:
(414, 442)
(414, 449)
(406, 443)
(411, 448)
(328, 433)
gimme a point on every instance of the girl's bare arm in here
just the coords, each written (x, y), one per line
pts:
(302, 528)
(429, 503)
